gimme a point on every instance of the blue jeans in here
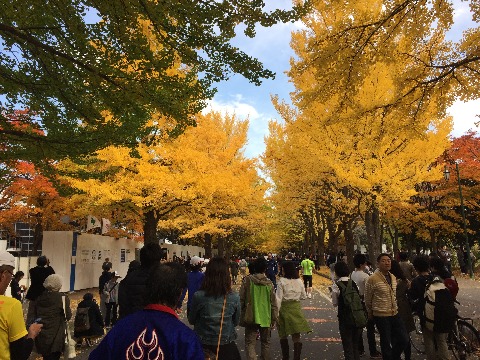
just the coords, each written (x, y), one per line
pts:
(393, 336)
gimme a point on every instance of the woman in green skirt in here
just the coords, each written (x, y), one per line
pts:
(291, 320)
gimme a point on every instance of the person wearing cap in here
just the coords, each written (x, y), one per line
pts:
(50, 309)
(15, 341)
(111, 299)
(38, 274)
(155, 332)
(194, 280)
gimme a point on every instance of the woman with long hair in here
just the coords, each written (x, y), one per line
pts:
(215, 312)
(291, 320)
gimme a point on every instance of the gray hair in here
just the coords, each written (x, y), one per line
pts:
(53, 282)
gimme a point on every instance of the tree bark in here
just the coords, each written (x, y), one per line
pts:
(349, 245)
(208, 245)
(150, 222)
(221, 246)
(372, 225)
(433, 240)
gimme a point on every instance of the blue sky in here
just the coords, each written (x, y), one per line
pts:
(272, 47)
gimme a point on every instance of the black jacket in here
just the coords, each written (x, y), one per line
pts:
(132, 291)
(95, 317)
(102, 280)
(38, 274)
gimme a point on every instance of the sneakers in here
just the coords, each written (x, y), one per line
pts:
(309, 295)
(376, 356)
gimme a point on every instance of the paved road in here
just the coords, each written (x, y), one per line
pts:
(324, 341)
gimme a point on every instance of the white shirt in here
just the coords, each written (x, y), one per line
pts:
(336, 290)
(360, 277)
(290, 289)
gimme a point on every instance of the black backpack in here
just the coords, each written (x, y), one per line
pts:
(440, 312)
(354, 309)
(82, 320)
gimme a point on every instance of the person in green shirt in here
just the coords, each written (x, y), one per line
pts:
(307, 268)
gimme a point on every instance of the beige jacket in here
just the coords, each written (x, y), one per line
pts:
(380, 298)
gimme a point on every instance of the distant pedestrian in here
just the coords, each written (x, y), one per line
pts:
(446, 256)
(107, 265)
(154, 332)
(307, 266)
(234, 268)
(102, 280)
(38, 274)
(111, 301)
(407, 268)
(291, 320)
(17, 290)
(243, 267)
(215, 312)
(272, 269)
(259, 309)
(195, 279)
(331, 260)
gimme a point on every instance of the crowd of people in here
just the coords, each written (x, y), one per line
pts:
(140, 313)
(390, 296)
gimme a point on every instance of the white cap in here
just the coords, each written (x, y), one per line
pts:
(7, 259)
(196, 260)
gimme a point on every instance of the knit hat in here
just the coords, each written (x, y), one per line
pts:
(53, 282)
(7, 259)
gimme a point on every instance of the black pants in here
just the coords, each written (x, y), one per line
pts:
(372, 346)
(111, 311)
(225, 352)
(350, 336)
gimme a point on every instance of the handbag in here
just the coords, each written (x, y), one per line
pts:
(69, 352)
(209, 355)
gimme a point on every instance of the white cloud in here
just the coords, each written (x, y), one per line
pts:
(258, 122)
(236, 106)
(465, 115)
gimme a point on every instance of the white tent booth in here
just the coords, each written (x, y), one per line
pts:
(78, 258)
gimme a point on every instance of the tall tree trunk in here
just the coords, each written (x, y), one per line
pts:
(320, 235)
(334, 232)
(221, 246)
(372, 225)
(150, 222)
(433, 240)
(394, 236)
(208, 245)
(349, 245)
(228, 247)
